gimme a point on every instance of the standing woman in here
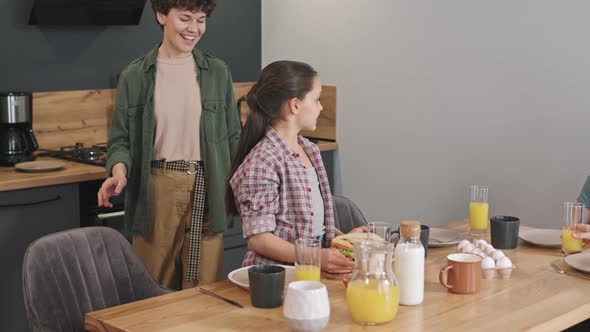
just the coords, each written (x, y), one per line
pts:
(279, 185)
(173, 131)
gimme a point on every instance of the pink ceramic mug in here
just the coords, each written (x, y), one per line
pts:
(463, 273)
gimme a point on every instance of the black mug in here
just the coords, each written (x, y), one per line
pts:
(267, 283)
(424, 236)
(504, 231)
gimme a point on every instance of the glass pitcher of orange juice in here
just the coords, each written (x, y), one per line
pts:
(372, 294)
(478, 211)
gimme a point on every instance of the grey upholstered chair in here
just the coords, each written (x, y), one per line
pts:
(347, 215)
(70, 273)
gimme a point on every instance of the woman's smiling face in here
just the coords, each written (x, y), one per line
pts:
(182, 30)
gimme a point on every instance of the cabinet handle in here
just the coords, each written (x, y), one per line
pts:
(56, 198)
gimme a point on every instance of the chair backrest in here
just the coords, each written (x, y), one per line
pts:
(347, 215)
(70, 273)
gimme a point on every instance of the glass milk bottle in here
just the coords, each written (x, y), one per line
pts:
(408, 265)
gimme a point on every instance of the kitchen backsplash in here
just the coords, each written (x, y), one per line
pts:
(65, 117)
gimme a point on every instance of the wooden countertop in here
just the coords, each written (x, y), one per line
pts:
(73, 172)
(534, 298)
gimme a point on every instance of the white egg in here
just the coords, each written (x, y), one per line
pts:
(468, 247)
(503, 263)
(497, 254)
(481, 244)
(462, 244)
(487, 263)
(476, 251)
(489, 249)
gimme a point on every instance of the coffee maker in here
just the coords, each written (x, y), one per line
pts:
(17, 141)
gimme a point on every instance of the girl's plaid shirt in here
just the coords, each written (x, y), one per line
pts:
(273, 194)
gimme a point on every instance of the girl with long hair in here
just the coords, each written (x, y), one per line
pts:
(278, 182)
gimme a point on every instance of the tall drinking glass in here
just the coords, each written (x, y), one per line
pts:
(478, 211)
(381, 229)
(308, 254)
(573, 214)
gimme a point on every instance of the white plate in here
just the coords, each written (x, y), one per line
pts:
(240, 276)
(440, 237)
(548, 238)
(579, 261)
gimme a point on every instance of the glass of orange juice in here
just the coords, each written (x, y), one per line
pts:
(478, 211)
(573, 214)
(308, 253)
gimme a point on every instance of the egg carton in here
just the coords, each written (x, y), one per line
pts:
(495, 272)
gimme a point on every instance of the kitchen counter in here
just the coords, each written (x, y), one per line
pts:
(73, 172)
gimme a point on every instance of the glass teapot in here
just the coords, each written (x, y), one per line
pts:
(372, 294)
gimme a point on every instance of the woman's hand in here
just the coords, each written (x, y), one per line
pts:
(113, 185)
(583, 232)
(334, 262)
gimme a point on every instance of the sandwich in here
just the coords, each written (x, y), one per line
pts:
(343, 245)
(345, 242)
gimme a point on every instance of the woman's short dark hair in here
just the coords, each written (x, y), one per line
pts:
(164, 6)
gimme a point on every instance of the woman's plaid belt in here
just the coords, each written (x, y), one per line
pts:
(198, 205)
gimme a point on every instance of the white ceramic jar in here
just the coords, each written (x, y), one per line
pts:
(307, 307)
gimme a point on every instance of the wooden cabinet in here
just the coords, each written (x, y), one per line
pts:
(26, 215)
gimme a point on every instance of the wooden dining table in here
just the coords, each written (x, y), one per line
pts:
(533, 298)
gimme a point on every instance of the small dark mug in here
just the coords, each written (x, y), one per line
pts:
(504, 231)
(424, 236)
(267, 283)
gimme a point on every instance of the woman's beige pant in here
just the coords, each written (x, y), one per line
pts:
(164, 248)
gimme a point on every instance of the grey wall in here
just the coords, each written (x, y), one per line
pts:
(42, 58)
(436, 95)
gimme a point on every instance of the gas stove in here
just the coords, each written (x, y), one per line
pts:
(93, 155)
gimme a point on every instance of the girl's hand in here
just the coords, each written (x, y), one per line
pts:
(334, 262)
(361, 229)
